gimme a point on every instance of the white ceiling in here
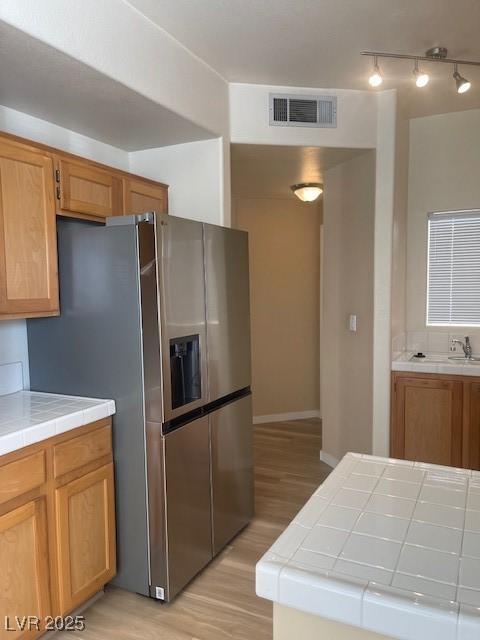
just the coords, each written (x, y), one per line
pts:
(269, 171)
(43, 82)
(316, 43)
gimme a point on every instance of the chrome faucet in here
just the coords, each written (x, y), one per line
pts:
(466, 346)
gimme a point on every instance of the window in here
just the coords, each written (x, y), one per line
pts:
(453, 280)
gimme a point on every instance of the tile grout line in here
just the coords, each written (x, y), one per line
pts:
(356, 521)
(408, 529)
(461, 545)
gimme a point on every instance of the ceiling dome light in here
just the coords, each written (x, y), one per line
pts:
(375, 80)
(307, 191)
(421, 79)
(462, 83)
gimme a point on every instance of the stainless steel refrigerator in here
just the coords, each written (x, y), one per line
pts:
(155, 314)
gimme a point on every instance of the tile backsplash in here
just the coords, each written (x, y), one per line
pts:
(435, 341)
(11, 378)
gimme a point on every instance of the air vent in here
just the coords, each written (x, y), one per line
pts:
(303, 111)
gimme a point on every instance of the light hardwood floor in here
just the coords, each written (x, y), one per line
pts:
(220, 603)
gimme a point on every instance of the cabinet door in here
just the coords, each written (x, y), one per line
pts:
(427, 420)
(140, 197)
(89, 190)
(471, 449)
(86, 536)
(24, 585)
(28, 248)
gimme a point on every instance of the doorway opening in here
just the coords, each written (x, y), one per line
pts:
(287, 272)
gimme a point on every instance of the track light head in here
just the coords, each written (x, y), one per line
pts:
(375, 80)
(421, 79)
(462, 83)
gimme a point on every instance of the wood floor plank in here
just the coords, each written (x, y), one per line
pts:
(220, 603)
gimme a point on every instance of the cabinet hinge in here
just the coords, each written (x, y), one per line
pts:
(58, 193)
(57, 175)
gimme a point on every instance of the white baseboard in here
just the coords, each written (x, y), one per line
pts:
(328, 459)
(285, 417)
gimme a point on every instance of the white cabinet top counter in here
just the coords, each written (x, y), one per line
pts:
(436, 363)
(391, 546)
(27, 417)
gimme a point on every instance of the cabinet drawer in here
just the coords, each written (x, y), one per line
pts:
(79, 451)
(21, 476)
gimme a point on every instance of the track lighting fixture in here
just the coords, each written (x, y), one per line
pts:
(421, 79)
(435, 54)
(375, 79)
(462, 83)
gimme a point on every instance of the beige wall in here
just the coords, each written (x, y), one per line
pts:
(346, 371)
(399, 238)
(284, 280)
(444, 173)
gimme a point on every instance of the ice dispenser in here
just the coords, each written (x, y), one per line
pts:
(185, 372)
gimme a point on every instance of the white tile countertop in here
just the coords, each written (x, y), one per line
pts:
(27, 417)
(435, 363)
(386, 545)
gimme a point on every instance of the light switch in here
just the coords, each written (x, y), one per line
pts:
(352, 322)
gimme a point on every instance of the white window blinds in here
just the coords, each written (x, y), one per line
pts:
(453, 282)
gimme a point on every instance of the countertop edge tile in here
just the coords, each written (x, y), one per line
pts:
(11, 442)
(413, 616)
(341, 596)
(468, 622)
(267, 573)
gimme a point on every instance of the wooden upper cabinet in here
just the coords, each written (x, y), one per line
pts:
(427, 420)
(86, 189)
(24, 563)
(28, 255)
(139, 197)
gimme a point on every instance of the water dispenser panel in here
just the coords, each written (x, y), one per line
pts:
(185, 372)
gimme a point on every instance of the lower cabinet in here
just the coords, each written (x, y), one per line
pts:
(24, 575)
(57, 527)
(85, 536)
(436, 419)
(471, 446)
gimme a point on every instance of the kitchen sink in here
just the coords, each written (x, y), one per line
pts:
(463, 360)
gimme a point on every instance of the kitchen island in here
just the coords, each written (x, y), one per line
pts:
(383, 549)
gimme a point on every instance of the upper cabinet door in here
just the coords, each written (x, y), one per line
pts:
(140, 197)
(88, 190)
(28, 255)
